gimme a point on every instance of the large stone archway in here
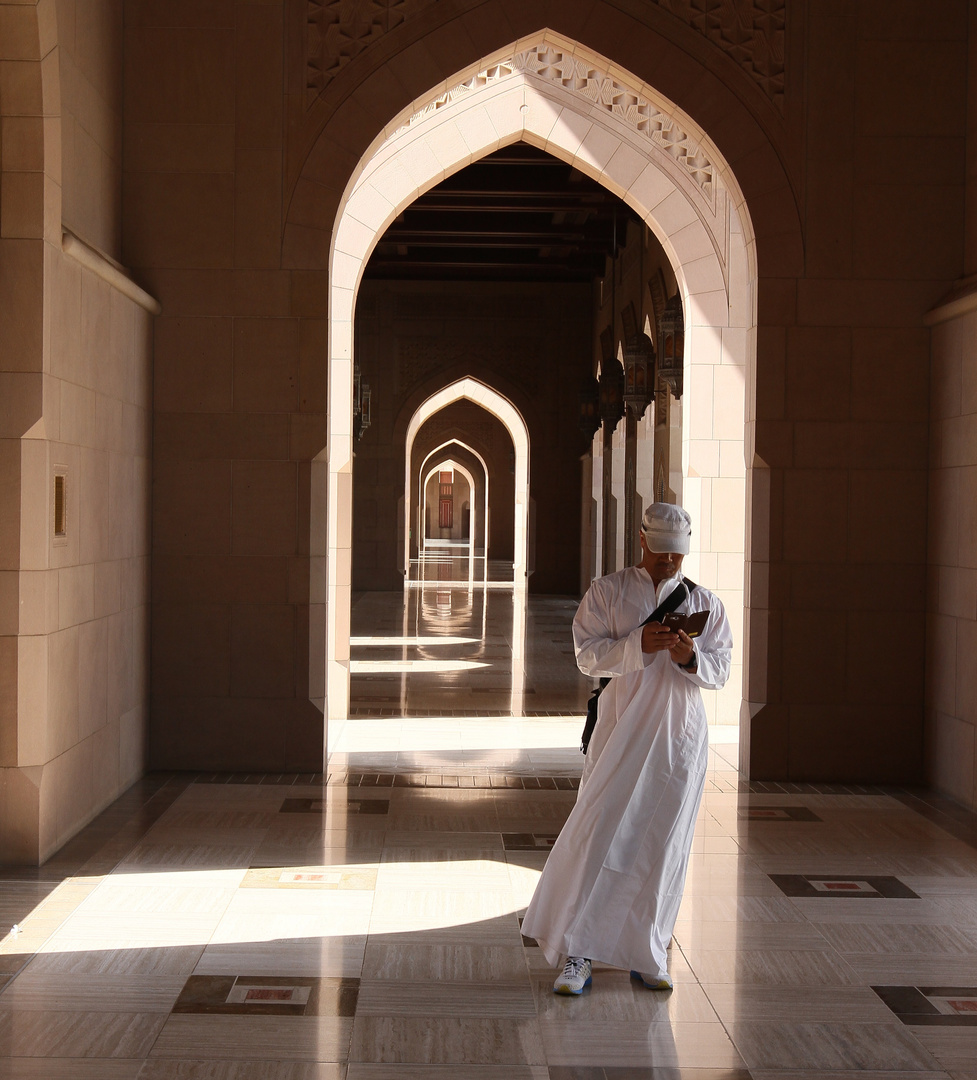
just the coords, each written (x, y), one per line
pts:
(554, 94)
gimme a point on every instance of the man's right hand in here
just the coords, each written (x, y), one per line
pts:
(658, 638)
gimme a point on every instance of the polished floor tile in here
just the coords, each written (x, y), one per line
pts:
(830, 1047)
(365, 923)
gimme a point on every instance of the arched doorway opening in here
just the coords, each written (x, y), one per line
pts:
(444, 516)
(479, 521)
(554, 94)
(469, 389)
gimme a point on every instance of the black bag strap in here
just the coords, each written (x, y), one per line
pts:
(674, 599)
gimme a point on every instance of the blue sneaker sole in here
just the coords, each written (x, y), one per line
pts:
(662, 984)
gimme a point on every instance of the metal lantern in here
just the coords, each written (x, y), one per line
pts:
(589, 406)
(611, 393)
(639, 374)
(671, 345)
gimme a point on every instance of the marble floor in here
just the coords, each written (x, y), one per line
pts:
(364, 923)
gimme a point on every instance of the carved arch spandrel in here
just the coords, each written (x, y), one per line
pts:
(752, 34)
(327, 140)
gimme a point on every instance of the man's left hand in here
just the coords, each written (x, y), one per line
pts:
(682, 653)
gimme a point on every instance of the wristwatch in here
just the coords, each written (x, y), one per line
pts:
(693, 663)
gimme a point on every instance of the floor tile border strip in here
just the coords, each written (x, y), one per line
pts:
(385, 713)
(487, 779)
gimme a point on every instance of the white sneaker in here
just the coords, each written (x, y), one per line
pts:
(654, 982)
(575, 976)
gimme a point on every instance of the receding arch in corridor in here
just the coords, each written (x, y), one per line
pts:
(449, 464)
(555, 94)
(500, 407)
(444, 447)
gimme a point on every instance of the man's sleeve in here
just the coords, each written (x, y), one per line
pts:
(713, 647)
(598, 651)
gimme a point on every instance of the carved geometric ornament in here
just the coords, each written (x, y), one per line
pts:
(752, 32)
(547, 62)
(338, 30)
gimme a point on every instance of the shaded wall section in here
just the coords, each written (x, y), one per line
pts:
(240, 398)
(951, 607)
(839, 458)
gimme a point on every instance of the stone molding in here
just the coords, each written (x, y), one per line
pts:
(108, 270)
(337, 31)
(750, 32)
(561, 68)
(959, 302)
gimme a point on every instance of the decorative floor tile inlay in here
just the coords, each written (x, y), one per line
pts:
(267, 995)
(527, 942)
(320, 806)
(528, 841)
(776, 813)
(797, 885)
(309, 877)
(932, 1006)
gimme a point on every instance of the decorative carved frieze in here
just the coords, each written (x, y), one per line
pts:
(750, 31)
(338, 30)
(601, 90)
(605, 92)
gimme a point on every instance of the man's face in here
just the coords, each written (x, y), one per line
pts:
(660, 564)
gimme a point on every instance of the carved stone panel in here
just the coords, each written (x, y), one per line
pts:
(601, 90)
(752, 32)
(338, 30)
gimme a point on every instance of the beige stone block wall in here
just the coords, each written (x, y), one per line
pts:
(240, 390)
(89, 36)
(951, 609)
(75, 660)
(75, 374)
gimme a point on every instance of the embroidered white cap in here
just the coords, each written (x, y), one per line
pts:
(666, 527)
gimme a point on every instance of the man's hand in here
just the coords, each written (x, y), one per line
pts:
(658, 638)
(682, 652)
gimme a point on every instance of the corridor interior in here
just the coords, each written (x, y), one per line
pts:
(364, 923)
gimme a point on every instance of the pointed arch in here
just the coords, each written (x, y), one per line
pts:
(555, 94)
(469, 389)
(485, 500)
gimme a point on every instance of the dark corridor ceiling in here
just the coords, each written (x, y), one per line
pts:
(517, 215)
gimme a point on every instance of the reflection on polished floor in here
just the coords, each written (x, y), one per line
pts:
(364, 924)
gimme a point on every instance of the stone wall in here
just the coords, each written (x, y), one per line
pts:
(951, 620)
(75, 370)
(240, 375)
(951, 599)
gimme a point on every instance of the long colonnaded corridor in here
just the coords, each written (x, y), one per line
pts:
(365, 923)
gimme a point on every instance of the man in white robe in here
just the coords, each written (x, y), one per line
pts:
(613, 882)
